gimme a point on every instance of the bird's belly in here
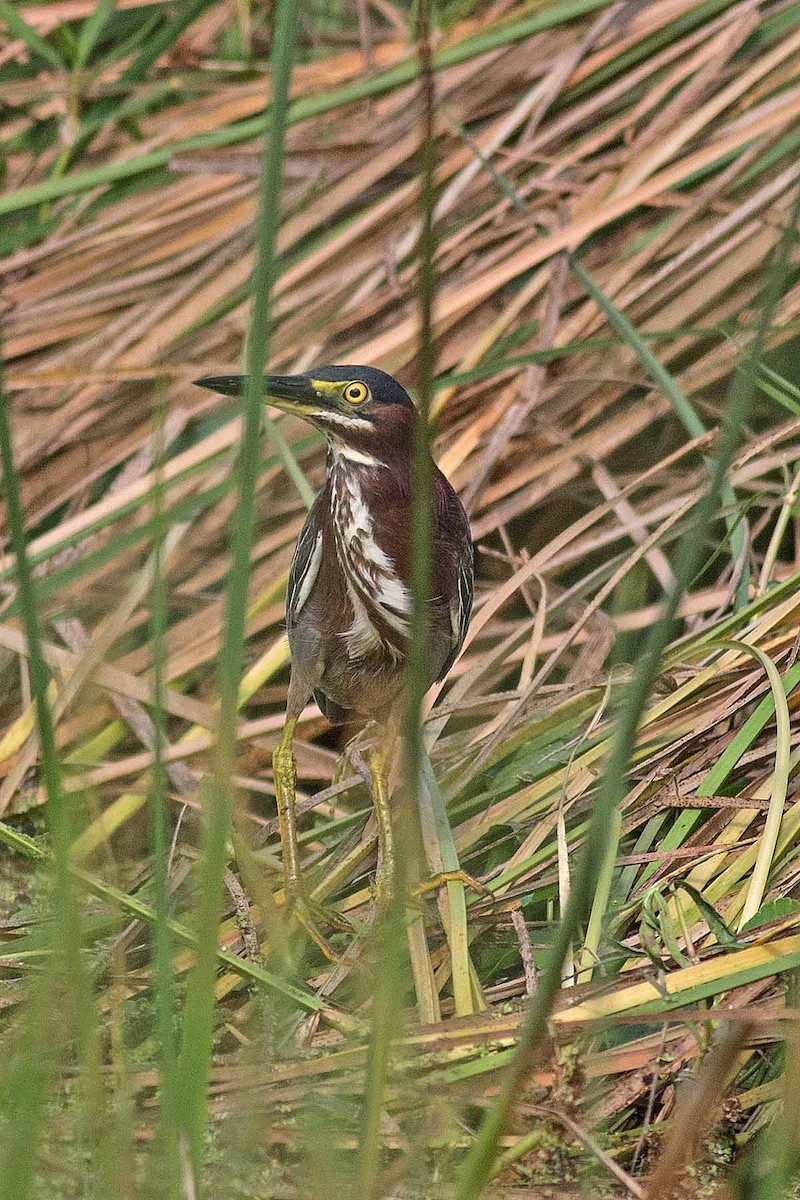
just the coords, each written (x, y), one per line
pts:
(350, 654)
(368, 685)
(369, 682)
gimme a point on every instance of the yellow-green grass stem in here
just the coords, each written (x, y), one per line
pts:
(434, 816)
(779, 529)
(713, 781)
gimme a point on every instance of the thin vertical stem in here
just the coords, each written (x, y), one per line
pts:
(423, 465)
(386, 1004)
(217, 794)
(162, 936)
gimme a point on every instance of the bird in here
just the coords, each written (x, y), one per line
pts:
(349, 602)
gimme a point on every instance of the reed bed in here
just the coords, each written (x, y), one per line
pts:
(616, 270)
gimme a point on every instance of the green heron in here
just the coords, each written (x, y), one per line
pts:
(348, 604)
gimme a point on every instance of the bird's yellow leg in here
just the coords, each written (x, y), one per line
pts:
(284, 770)
(387, 882)
(307, 911)
(378, 757)
(437, 881)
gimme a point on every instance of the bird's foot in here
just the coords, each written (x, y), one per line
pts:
(310, 914)
(436, 881)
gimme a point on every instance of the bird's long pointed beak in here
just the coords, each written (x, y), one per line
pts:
(224, 385)
(292, 393)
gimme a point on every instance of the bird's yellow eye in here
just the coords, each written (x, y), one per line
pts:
(356, 393)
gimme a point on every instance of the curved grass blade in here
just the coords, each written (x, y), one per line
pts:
(712, 783)
(780, 784)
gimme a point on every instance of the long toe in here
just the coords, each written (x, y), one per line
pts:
(444, 877)
(313, 917)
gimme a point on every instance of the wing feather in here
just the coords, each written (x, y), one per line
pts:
(305, 567)
(461, 608)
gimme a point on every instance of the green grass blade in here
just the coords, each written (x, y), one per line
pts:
(457, 935)
(195, 1058)
(602, 895)
(18, 27)
(169, 1125)
(164, 39)
(386, 1006)
(785, 513)
(91, 29)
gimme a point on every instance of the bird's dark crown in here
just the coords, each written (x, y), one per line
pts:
(383, 388)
